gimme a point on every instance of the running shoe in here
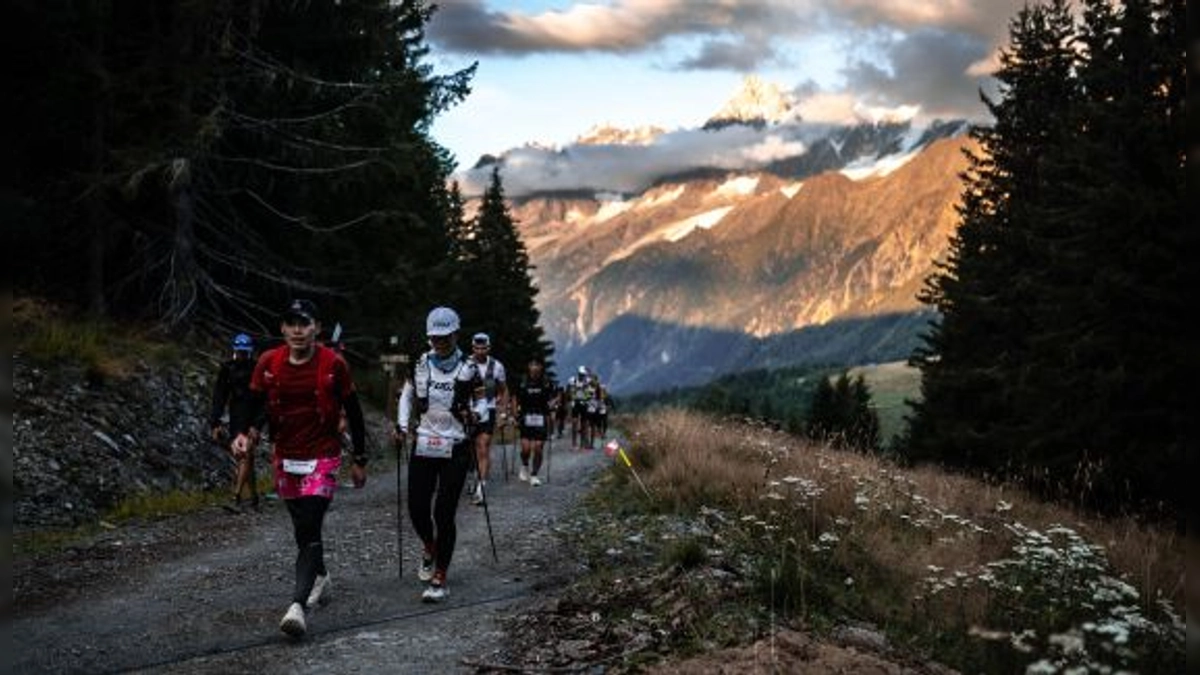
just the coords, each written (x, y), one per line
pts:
(524, 475)
(320, 591)
(437, 590)
(477, 497)
(535, 481)
(293, 622)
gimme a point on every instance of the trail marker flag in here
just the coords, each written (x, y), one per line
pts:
(613, 449)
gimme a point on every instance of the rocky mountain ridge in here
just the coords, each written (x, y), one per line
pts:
(757, 227)
(748, 253)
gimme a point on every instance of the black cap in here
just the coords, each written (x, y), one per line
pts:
(304, 309)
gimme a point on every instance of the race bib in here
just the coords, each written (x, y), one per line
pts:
(534, 420)
(299, 467)
(429, 445)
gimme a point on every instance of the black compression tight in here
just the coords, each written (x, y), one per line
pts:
(308, 516)
(433, 516)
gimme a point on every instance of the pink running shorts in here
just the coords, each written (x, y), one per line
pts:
(321, 482)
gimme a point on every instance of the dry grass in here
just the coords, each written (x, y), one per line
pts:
(46, 334)
(904, 531)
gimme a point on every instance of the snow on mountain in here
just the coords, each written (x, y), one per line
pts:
(868, 167)
(757, 103)
(606, 134)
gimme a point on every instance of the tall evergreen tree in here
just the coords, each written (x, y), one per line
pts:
(977, 353)
(193, 162)
(1060, 358)
(501, 299)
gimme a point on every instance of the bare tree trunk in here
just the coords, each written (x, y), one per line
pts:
(96, 228)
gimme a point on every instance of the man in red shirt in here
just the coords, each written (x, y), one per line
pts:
(302, 387)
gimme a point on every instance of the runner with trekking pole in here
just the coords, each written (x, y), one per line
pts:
(441, 457)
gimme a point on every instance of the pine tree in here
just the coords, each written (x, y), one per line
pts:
(976, 357)
(1060, 358)
(501, 297)
(840, 413)
(195, 162)
(863, 427)
(822, 412)
(1121, 345)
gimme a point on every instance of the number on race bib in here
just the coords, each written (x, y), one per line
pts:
(429, 445)
(534, 420)
(299, 467)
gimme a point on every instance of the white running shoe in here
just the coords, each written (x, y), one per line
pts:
(436, 592)
(293, 621)
(535, 481)
(320, 591)
(524, 475)
(477, 498)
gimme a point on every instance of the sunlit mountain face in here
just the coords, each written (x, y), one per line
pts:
(667, 258)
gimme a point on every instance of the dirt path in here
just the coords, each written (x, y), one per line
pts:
(204, 593)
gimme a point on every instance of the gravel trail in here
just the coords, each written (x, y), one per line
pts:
(204, 593)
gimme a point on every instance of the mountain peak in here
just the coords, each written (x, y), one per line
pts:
(756, 103)
(607, 134)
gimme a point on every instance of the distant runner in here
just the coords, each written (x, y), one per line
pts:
(232, 392)
(579, 390)
(532, 411)
(490, 397)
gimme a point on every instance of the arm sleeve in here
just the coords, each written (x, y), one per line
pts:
(358, 428)
(220, 395)
(256, 397)
(405, 406)
(421, 386)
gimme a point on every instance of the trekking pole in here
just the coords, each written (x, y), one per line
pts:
(517, 444)
(503, 448)
(487, 516)
(400, 508)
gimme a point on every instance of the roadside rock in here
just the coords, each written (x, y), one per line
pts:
(83, 442)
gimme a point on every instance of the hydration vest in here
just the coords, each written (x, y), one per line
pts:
(328, 398)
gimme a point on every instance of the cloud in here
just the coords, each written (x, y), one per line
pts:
(741, 56)
(631, 169)
(933, 67)
(734, 35)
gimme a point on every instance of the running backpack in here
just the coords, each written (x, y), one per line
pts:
(328, 402)
(489, 379)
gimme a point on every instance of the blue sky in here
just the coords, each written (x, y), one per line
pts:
(551, 69)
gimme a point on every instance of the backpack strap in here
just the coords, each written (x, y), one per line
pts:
(328, 394)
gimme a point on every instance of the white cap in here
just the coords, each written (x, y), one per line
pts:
(583, 370)
(441, 321)
(482, 340)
